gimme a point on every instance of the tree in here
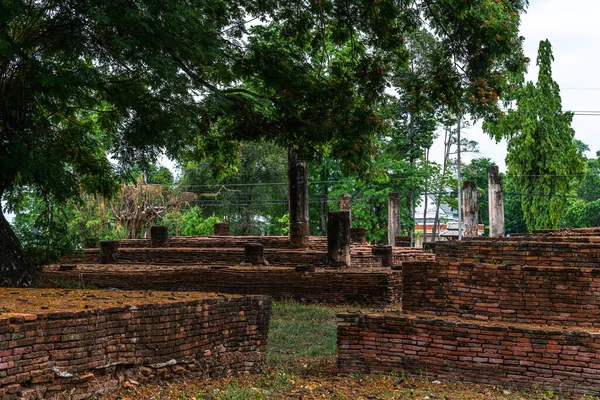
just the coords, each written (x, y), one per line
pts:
(583, 210)
(83, 79)
(543, 156)
(251, 195)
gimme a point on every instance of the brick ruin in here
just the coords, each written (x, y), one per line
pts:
(298, 267)
(217, 264)
(513, 311)
(82, 343)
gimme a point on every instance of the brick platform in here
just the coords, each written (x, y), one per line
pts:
(81, 343)
(527, 294)
(373, 286)
(566, 360)
(520, 252)
(209, 250)
(513, 311)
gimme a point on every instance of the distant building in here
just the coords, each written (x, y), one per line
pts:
(448, 222)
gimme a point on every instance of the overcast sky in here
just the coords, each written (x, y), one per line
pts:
(574, 32)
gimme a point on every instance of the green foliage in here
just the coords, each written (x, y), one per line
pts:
(543, 156)
(514, 221)
(251, 195)
(44, 229)
(152, 174)
(584, 211)
(92, 217)
(85, 79)
(196, 224)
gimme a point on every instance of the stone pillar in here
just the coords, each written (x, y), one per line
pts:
(358, 235)
(496, 203)
(393, 217)
(345, 205)
(338, 238)
(109, 251)
(159, 235)
(221, 229)
(469, 209)
(298, 201)
(386, 254)
(254, 254)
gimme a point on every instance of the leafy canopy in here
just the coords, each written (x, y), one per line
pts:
(544, 160)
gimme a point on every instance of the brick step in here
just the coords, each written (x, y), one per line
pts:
(361, 256)
(531, 253)
(380, 287)
(510, 354)
(279, 242)
(80, 344)
(201, 256)
(511, 293)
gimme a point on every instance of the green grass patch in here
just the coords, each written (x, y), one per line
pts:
(300, 331)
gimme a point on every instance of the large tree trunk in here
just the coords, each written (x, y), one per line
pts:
(15, 268)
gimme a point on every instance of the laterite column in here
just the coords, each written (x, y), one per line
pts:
(470, 209)
(393, 217)
(298, 201)
(338, 238)
(496, 203)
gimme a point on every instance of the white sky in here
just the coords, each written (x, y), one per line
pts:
(573, 29)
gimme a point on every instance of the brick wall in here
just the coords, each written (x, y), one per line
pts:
(379, 287)
(94, 350)
(520, 252)
(274, 242)
(174, 255)
(528, 294)
(566, 360)
(201, 256)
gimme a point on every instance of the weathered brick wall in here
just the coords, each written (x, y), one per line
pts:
(379, 287)
(201, 256)
(520, 252)
(528, 294)
(91, 351)
(566, 360)
(361, 256)
(273, 242)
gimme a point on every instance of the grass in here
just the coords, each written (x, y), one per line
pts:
(299, 332)
(301, 365)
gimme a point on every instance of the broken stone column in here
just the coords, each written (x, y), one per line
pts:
(496, 203)
(469, 209)
(358, 235)
(345, 205)
(338, 238)
(159, 235)
(386, 254)
(109, 251)
(254, 254)
(221, 229)
(298, 201)
(393, 217)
